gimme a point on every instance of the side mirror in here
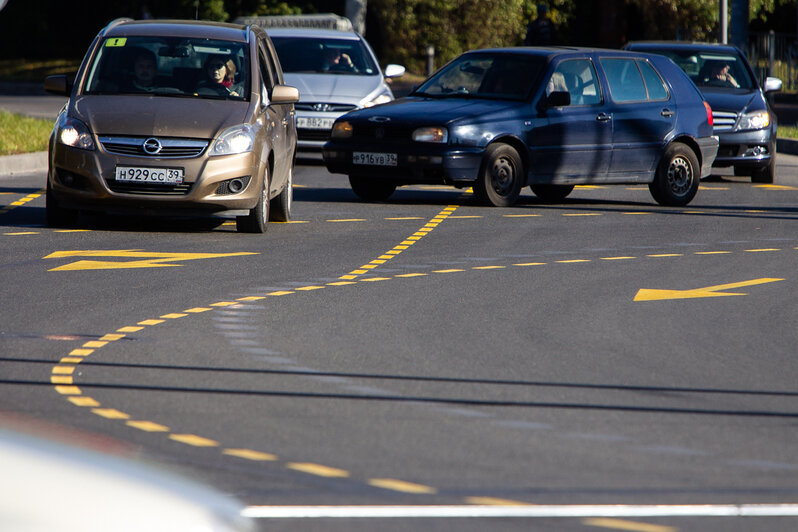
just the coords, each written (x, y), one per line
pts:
(284, 94)
(58, 85)
(394, 71)
(556, 99)
(772, 84)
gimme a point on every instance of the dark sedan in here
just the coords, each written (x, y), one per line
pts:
(498, 120)
(744, 122)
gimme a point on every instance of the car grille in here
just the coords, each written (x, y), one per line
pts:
(723, 121)
(324, 107)
(170, 148)
(381, 132)
(312, 134)
(146, 189)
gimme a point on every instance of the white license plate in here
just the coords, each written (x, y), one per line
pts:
(137, 174)
(374, 159)
(312, 122)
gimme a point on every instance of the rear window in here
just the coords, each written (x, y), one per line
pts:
(169, 66)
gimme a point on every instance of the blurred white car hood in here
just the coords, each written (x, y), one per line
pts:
(332, 88)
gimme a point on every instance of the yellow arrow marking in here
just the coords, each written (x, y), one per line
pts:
(146, 259)
(647, 294)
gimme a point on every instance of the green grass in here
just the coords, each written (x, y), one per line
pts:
(788, 132)
(22, 134)
(36, 71)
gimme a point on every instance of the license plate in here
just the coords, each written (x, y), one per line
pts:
(374, 159)
(137, 174)
(312, 122)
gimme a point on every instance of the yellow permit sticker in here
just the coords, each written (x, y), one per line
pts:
(119, 41)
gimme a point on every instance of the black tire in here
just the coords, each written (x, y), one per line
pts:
(281, 205)
(766, 174)
(55, 214)
(370, 189)
(257, 221)
(552, 193)
(501, 177)
(677, 178)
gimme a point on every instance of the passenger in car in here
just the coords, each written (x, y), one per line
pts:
(217, 73)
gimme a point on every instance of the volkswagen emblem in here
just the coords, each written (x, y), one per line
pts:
(380, 119)
(152, 146)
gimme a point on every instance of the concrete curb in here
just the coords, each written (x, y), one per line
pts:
(788, 146)
(23, 163)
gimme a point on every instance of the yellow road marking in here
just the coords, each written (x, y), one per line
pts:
(22, 233)
(84, 401)
(318, 470)
(666, 255)
(621, 524)
(617, 258)
(349, 220)
(145, 259)
(401, 485)
(761, 250)
(645, 294)
(493, 501)
(712, 252)
(488, 267)
(584, 214)
(197, 310)
(173, 316)
(453, 270)
(530, 264)
(110, 413)
(147, 426)
(249, 454)
(194, 440)
(573, 261)
(521, 215)
(776, 187)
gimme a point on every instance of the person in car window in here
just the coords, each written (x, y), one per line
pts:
(719, 75)
(145, 67)
(337, 61)
(217, 74)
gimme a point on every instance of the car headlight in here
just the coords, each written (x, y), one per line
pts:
(431, 134)
(382, 98)
(236, 139)
(756, 120)
(73, 132)
(341, 130)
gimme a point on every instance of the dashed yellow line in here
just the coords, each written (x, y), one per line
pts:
(622, 524)
(400, 485)
(318, 470)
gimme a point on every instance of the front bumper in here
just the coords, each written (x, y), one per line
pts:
(753, 149)
(85, 180)
(429, 164)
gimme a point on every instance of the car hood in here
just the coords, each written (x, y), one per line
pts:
(734, 100)
(331, 88)
(161, 116)
(416, 110)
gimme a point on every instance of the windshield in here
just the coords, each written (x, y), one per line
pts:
(492, 76)
(324, 56)
(711, 69)
(170, 66)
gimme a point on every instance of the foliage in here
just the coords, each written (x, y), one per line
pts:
(451, 26)
(677, 19)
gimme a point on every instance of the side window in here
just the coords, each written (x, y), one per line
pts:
(267, 77)
(626, 82)
(577, 77)
(656, 87)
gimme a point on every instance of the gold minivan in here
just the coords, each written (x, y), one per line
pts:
(178, 118)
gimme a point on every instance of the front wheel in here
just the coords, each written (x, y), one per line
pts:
(258, 218)
(766, 174)
(56, 215)
(677, 178)
(371, 190)
(281, 205)
(501, 177)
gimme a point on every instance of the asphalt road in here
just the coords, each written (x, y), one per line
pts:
(429, 354)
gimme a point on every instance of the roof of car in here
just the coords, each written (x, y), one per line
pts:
(177, 28)
(558, 50)
(687, 45)
(312, 32)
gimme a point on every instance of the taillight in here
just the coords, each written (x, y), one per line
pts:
(709, 113)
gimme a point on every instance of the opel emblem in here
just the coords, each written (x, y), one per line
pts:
(380, 119)
(152, 146)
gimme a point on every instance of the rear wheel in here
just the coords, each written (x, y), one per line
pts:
(56, 215)
(677, 178)
(371, 190)
(552, 193)
(501, 177)
(258, 218)
(281, 205)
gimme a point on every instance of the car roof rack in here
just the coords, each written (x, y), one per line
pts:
(324, 21)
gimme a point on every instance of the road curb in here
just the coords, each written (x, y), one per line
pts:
(23, 163)
(788, 146)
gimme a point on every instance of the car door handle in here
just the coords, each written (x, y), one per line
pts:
(603, 117)
(667, 113)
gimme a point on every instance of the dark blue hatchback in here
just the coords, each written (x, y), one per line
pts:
(498, 120)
